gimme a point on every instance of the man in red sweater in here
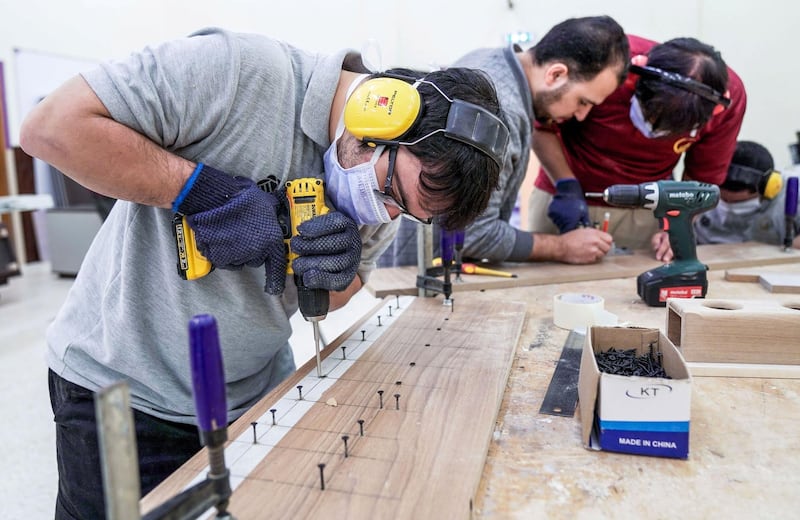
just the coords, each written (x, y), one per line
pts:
(681, 100)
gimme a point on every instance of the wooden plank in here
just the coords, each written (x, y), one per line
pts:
(422, 453)
(780, 282)
(744, 370)
(402, 280)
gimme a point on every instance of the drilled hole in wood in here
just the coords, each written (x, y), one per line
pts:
(723, 306)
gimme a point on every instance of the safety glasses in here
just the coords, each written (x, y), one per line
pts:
(387, 195)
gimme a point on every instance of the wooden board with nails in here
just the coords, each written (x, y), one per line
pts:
(441, 374)
(402, 280)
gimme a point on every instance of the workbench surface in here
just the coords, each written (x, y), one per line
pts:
(744, 442)
(744, 459)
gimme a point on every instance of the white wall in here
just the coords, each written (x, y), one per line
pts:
(754, 37)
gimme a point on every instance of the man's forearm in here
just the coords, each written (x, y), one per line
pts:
(547, 147)
(340, 298)
(72, 130)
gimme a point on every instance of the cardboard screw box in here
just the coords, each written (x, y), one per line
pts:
(632, 414)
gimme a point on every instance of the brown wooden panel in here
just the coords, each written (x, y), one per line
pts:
(26, 184)
(422, 454)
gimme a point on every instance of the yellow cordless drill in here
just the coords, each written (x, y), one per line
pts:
(306, 200)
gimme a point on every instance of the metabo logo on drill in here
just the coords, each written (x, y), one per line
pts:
(685, 195)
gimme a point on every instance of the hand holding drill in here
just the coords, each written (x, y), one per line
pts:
(234, 224)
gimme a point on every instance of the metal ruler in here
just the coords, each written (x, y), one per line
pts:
(562, 394)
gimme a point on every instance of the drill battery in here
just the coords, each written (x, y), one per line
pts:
(656, 285)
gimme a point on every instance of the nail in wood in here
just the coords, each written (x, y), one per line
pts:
(345, 439)
(380, 397)
(300, 391)
(379, 321)
(397, 401)
(344, 353)
(255, 439)
(321, 467)
(390, 311)
(272, 411)
(361, 426)
(362, 335)
(398, 300)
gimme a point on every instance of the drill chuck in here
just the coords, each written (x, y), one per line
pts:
(631, 195)
(313, 303)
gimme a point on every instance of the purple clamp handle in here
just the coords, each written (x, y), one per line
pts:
(791, 197)
(448, 239)
(208, 378)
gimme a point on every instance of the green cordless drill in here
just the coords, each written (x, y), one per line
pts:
(675, 204)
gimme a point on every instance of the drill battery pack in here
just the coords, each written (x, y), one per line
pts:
(656, 285)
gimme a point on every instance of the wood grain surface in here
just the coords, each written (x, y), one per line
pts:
(744, 440)
(402, 280)
(743, 460)
(425, 440)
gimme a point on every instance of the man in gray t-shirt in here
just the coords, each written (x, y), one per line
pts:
(189, 128)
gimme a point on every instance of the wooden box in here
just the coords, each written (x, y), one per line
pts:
(735, 331)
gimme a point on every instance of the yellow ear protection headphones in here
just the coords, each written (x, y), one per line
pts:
(721, 101)
(381, 111)
(767, 183)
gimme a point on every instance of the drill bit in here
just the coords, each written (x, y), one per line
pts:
(315, 325)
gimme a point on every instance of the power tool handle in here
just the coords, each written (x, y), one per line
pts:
(678, 225)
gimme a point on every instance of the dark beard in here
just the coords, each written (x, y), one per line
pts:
(542, 100)
(352, 152)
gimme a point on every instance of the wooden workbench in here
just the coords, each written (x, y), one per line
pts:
(744, 459)
(402, 280)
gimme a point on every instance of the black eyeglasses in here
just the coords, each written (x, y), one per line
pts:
(387, 195)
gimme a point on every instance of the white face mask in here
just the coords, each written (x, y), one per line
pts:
(644, 126)
(353, 190)
(738, 210)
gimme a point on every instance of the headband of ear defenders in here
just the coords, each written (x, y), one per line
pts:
(682, 82)
(383, 110)
(767, 183)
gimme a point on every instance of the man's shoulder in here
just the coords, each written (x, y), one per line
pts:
(640, 45)
(484, 58)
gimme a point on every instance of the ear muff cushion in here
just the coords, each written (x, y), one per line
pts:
(382, 108)
(772, 186)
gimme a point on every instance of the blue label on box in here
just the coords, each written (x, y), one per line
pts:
(661, 439)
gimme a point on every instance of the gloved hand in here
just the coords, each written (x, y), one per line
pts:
(235, 223)
(330, 250)
(568, 210)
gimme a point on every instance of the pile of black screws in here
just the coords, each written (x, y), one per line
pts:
(627, 363)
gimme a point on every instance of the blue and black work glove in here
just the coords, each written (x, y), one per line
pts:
(329, 249)
(235, 223)
(568, 209)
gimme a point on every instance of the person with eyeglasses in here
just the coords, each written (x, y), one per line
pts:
(210, 128)
(680, 101)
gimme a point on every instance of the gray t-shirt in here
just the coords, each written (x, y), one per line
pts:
(245, 104)
(767, 225)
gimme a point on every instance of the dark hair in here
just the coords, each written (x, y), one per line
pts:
(751, 156)
(457, 179)
(673, 109)
(587, 46)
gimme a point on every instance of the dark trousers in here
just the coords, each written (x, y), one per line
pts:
(162, 447)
